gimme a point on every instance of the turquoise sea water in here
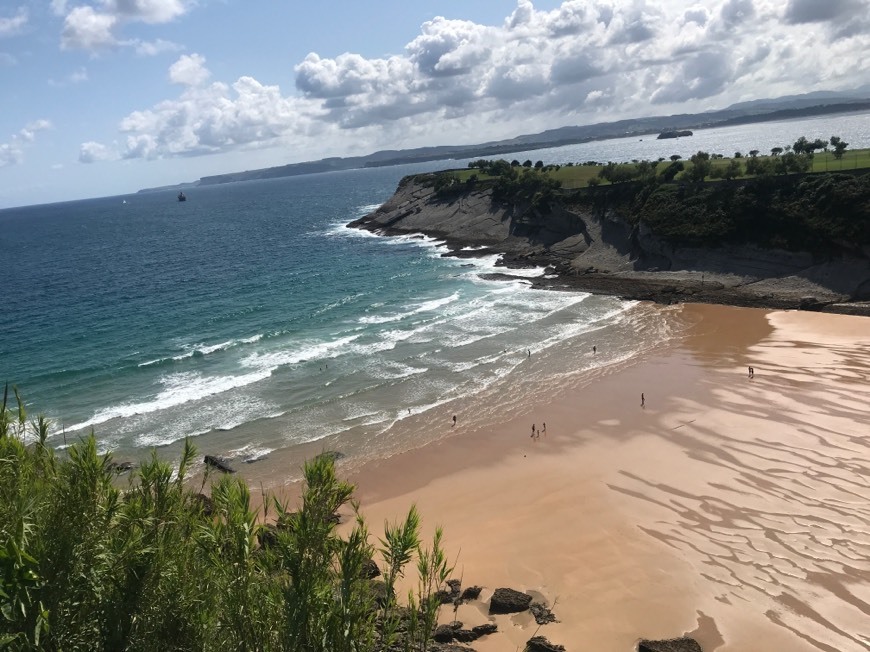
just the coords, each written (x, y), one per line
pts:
(251, 319)
(149, 320)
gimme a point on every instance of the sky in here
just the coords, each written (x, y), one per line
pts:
(104, 97)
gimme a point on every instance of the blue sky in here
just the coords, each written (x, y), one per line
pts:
(103, 97)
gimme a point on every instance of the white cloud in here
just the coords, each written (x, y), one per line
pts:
(13, 25)
(28, 133)
(90, 27)
(809, 11)
(92, 152)
(207, 118)
(153, 48)
(58, 7)
(147, 11)
(189, 70)
(76, 77)
(12, 153)
(697, 15)
(459, 81)
(86, 29)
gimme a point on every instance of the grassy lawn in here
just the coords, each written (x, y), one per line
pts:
(577, 176)
(852, 160)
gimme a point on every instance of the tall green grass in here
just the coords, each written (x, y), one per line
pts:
(86, 565)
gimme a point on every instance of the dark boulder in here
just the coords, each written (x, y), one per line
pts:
(268, 535)
(443, 633)
(121, 467)
(218, 463)
(205, 503)
(378, 590)
(508, 601)
(541, 644)
(671, 645)
(485, 629)
(451, 593)
(455, 632)
(542, 613)
(370, 569)
(333, 455)
(465, 635)
(471, 593)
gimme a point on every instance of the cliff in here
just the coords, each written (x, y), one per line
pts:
(598, 249)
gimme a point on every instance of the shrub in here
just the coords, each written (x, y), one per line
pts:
(89, 565)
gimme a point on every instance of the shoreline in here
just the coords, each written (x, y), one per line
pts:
(655, 522)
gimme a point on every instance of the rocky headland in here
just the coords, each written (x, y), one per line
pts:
(595, 246)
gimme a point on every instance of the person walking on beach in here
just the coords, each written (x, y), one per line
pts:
(594, 349)
(642, 400)
(454, 421)
(530, 353)
(533, 431)
(751, 372)
(544, 429)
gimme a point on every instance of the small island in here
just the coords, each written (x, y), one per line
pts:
(674, 134)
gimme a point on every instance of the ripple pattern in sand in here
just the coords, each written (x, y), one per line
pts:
(766, 491)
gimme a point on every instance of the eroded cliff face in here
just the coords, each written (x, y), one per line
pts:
(603, 253)
(472, 218)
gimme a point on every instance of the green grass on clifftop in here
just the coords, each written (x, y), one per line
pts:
(578, 174)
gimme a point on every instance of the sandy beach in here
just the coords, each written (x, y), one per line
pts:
(732, 509)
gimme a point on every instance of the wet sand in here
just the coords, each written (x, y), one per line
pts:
(731, 509)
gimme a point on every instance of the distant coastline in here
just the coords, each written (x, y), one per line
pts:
(753, 112)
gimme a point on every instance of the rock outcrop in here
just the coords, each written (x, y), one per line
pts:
(218, 463)
(602, 253)
(671, 645)
(508, 601)
(541, 644)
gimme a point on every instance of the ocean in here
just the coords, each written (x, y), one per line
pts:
(252, 320)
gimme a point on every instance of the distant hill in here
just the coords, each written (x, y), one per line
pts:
(788, 107)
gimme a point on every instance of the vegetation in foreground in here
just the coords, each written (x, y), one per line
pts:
(156, 566)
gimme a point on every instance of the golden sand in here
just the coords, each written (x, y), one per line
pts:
(734, 510)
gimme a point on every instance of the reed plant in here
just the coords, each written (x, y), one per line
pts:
(88, 563)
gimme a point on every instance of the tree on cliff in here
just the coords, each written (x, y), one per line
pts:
(801, 145)
(701, 166)
(672, 171)
(446, 182)
(732, 170)
(839, 147)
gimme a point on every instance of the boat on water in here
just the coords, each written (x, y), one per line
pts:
(182, 196)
